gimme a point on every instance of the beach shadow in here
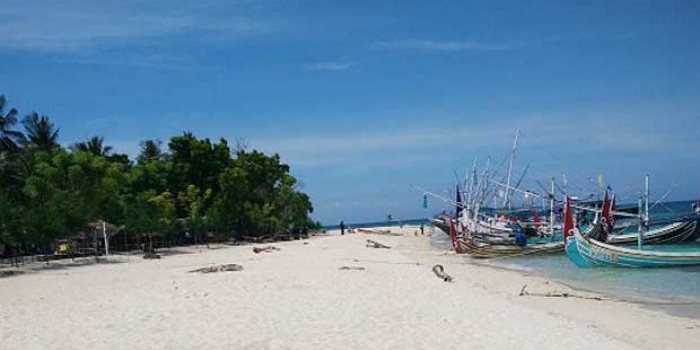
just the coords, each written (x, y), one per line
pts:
(56, 265)
(174, 251)
(65, 265)
(10, 273)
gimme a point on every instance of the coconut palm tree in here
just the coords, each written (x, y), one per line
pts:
(94, 145)
(8, 138)
(150, 149)
(41, 133)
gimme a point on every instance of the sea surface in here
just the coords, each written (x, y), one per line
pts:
(675, 290)
(387, 223)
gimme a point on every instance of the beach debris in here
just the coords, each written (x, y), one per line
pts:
(358, 268)
(267, 249)
(523, 292)
(375, 244)
(440, 272)
(219, 268)
(377, 232)
(151, 255)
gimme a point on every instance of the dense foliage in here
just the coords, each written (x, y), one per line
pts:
(194, 190)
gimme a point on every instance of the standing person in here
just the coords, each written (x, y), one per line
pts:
(421, 228)
(342, 227)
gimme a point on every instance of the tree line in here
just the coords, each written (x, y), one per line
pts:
(192, 187)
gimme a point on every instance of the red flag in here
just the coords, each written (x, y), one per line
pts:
(568, 221)
(453, 235)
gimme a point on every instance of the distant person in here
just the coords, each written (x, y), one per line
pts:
(421, 228)
(342, 227)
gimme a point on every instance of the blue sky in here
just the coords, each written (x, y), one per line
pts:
(365, 99)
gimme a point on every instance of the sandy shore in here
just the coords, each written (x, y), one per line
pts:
(300, 298)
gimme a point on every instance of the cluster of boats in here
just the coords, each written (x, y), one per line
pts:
(587, 233)
(594, 233)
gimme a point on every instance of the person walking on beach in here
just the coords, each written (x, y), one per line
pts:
(421, 228)
(342, 227)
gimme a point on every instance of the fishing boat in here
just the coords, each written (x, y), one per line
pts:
(586, 251)
(675, 232)
(482, 250)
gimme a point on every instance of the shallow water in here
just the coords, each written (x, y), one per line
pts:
(674, 290)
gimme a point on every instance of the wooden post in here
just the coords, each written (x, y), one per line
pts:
(104, 236)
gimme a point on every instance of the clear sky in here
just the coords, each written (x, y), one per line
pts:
(366, 98)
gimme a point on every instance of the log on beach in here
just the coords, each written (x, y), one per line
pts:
(358, 268)
(151, 255)
(375, 244)
(267, 249)
(440, 272)
(219, 268)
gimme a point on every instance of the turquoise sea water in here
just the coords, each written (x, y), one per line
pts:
(675, 290)
(413, 222)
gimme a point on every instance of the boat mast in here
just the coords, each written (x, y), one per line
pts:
(551, 210)
(646, 200)
(640, 229)
(506, 203)
(471, 186)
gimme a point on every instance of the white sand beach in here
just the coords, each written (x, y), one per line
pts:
(299, 298)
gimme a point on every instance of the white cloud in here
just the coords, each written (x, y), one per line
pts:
(554, 136)
(70, 26)
(436, 46)
(443, 46)
(330, 66)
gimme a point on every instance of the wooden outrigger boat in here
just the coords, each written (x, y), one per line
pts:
(585, 251)
(487, 250)
(676, 232)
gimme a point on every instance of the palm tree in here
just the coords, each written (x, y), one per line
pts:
(94, 145)
(150, 150)
(8, 138)
(41, 133)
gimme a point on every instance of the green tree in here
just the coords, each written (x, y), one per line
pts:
(150, 150)
(195, 201)
(259, 197)
(196, 162)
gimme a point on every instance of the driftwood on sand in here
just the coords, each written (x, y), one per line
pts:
(219, 268)
(151, 255)
(359, 268)
(267, 249)
(440, 272)
(378, 232)
(375, 244)
(523, 292)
